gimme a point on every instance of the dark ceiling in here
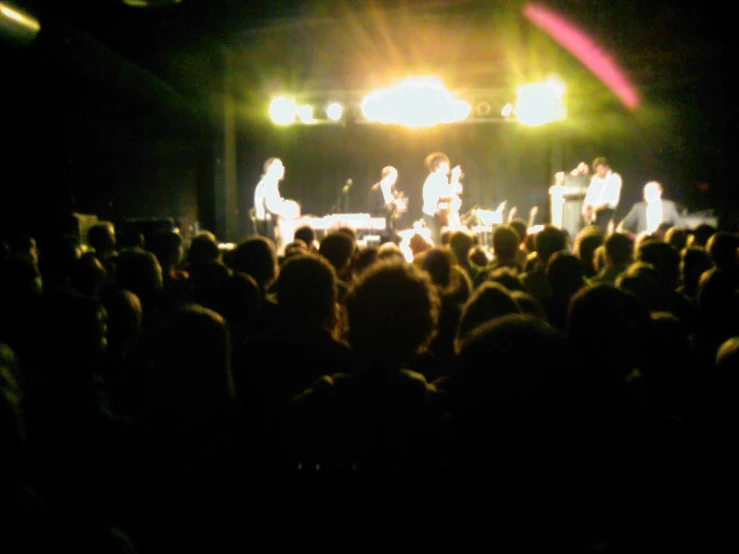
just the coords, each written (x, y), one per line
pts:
(658, 42)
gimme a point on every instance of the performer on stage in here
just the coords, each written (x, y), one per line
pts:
(647, 216)
(441, 202)
(385, 200)
(602, 197)
(269, 205)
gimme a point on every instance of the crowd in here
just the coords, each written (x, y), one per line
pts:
(561, 393)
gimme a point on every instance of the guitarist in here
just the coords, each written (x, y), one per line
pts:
(385, 200)
(441, 202)
(602, 196)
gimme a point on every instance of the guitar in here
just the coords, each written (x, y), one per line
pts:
(398, 206)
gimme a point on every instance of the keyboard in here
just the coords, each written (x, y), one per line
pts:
(356, 222)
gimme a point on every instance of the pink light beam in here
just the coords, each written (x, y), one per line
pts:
(585, 49)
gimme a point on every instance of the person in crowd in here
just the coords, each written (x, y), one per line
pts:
(618, 252)
(338, 248)
(565, 276)
(586, 242)
(519, 225)
(307, 234)
(548, 241)
(102, 239)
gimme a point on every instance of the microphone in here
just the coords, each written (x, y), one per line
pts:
(347, 186)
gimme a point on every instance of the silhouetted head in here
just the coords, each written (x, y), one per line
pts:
(548, 241)
(307, 235)
(505, 244)
(392, 313)
(242, 301)
(125, 317)
(506, 277)
(700, 235)
(519, 225)
(607, 327)
(22, 245)
(460, 243)
(514, 362)
(101, 237)
(295, 248)
(479, 257)
(722, 249)
(203, 249)
(167, 247)
(365, 258)
(139, 271)
(665, 259)
(489, 301)
(256, 257)
(307, 292)
(694, 262)
(586, 242)
(390, 252)
(192, 383)
(438, 263)
(619, 249)
(677, 237)
(642, 280)
(338, 248)
(565, 274)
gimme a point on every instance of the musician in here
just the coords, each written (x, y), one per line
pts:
(385, 200)
(269, 205)
(441, 201)
(603, 195)
(647, 216)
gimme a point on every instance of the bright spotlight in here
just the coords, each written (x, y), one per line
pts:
(507, 110)
(305, 114)
(540, 103)
(334, 111)
(415, 102)
(283, 110)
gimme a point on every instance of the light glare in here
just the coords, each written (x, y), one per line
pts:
(305, 113)
(283, 110)
(415, 102)
(540, 103)
(334, 111)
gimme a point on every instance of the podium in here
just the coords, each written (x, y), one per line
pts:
(566, 200)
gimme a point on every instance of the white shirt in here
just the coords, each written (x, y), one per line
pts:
(267, 198)
(654, 215)
(606, 191)
(436, 186)
(387, 192)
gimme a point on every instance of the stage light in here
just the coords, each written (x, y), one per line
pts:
(507, 110)
(415, 102)
(305, 114)
(334, 111)
(483, 108)
(17, 26)
(283, 110)
(540, 103)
